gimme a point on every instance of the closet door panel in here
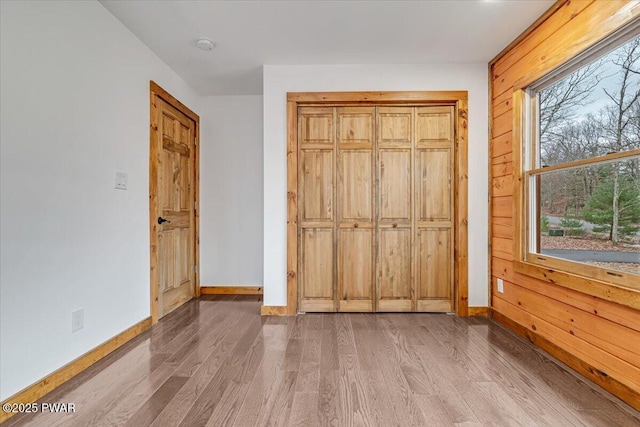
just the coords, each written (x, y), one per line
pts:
(316, 126)
(356, 237)
(316, 209)
(355, 247)
(395, 134)
(355, 125)
(395, 185)
(356, 186)
(434, 270)
(434, 193)
(395, 126)
(394, 280)
(434, 126)
(317, 185)
(434, 208)
(318, 261)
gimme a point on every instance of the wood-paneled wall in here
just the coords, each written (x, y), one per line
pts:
(598, 338)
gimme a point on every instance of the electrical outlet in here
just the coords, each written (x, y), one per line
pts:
(500, 286)
(77, 320)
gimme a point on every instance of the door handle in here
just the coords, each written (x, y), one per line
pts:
(162, 220)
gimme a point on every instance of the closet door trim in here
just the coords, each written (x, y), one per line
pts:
(457, 99)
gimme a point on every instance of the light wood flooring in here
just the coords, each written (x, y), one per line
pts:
(216, 362)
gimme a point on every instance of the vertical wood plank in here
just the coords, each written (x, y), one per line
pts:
(292, 208)
(154, 160)
(461, 210)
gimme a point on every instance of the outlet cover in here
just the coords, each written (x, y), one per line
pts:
(500, 286)
(77, 320)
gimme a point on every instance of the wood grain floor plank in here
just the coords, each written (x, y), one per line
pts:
(112, 408)
(528, 391)
(451, 379)
(329, 344)
(486, 412)
(218, 337)
(276, 409)
(508, 411)
(382, 409)
(346, 341)
(400, 393)
(365, 336)
(156, 403)
(217, 362)
(275, 337)
(606, 418)
(298, 327)
(457, 408)
(252, 402)
(352, 394)
(311, 350)
(205, 404)
(315, 325)
(201, 372)
(230, 404)
(329, 404)
(420, 381)
(121, 409)
(270, 400)
(564, 386)
(573, 391)
(308, 378)
(454, 341)
(293, 354)
(135, 368)
(434, 411)
(303, 411)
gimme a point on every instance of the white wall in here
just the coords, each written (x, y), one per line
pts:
(278, 80)
(231, 191)
(75, 107)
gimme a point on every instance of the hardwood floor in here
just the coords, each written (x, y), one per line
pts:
(216, 362)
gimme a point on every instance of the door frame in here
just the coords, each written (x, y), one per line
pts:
(155, 91)
(458, 99)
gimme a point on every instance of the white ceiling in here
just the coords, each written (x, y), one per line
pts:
(249, 34)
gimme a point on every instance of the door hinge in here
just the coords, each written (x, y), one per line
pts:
(195, 204)
(195, 141)
(195, 268)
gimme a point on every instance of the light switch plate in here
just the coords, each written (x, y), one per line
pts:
(500, 285)
(121, 180)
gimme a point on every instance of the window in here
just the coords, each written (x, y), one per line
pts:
(580, 191)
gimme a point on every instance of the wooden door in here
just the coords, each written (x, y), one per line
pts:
(375, 208)
(395, 134)
(175, 204)
(355, 136)
(316, 216)
(434, 155)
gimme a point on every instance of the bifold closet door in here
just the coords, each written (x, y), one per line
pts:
(356, 208)
(375, 208)
(395, 134)
(316, 206)
(434, 145)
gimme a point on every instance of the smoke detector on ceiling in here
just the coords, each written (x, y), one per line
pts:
(205, 44)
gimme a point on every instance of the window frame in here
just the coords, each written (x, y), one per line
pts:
(613, 285)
